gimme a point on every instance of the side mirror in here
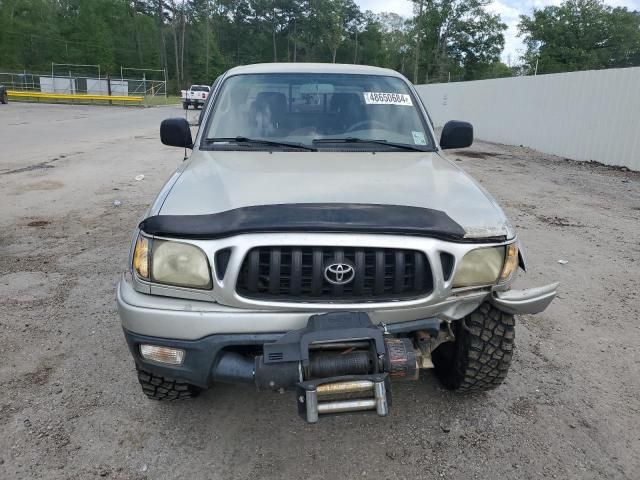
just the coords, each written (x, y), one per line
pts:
(176, 132)
(456, 134)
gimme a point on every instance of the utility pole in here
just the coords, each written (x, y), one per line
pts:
(418, 41)
(355, 55)
(207, 41)
(109, 87)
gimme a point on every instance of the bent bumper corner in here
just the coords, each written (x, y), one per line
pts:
(527, 301)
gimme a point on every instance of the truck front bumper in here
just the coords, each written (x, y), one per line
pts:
(184, 319)
(527, 301)
(203, 330)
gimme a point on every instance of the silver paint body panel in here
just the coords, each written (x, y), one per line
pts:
(216, 181)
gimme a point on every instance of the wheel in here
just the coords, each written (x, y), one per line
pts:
(185, 105)
(5, 98)
(480, 357)
(165, 389)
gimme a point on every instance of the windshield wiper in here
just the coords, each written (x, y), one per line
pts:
(404, 146)
(259, 141)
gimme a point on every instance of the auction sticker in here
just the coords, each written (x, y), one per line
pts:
(382, 98)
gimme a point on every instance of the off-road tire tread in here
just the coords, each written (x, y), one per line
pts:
(165, 389)
(483, 353)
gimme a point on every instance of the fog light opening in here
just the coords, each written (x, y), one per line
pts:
(167, 355)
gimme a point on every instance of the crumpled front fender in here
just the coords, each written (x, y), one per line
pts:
(529, 300)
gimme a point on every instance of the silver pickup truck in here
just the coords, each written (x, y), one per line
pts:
(319, 241)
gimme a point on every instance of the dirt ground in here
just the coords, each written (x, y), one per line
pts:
(71, 407)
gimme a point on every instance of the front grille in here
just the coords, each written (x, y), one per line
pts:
(294, 274)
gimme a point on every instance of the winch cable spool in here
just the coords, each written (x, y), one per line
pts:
(333, 364)
(361, 394)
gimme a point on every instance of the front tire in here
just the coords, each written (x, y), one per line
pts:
(5, 98)
(480, 357)
(185, 105)
(165, 389)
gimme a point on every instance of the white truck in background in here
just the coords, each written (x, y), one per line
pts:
(196, 96)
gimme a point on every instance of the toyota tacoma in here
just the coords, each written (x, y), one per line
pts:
(318, 240)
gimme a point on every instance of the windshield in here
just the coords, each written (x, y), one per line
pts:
(199, 88)
(319, 110)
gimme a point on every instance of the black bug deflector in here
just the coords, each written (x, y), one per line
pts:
(309, 217)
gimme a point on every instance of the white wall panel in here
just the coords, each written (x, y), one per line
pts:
(591, 115)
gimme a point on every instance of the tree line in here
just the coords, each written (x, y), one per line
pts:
(196, 40)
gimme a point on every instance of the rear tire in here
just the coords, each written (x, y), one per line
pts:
(480, 357)
(5, 98)
(185, 105)
(165, 389)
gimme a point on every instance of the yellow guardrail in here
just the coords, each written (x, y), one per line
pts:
(73, 96)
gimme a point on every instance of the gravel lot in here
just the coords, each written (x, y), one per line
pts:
(71, 407)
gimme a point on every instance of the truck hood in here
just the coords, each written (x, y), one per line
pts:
(215, 181)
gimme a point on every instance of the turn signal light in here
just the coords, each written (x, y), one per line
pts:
(170, 356)
(141, 257)
(510, 262)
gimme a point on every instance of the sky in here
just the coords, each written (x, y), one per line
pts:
(509, 10)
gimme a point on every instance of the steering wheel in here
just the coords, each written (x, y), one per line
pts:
(362, 123)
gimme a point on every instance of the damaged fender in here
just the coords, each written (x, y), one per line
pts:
(529, 300)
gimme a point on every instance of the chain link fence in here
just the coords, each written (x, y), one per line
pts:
(89, 80)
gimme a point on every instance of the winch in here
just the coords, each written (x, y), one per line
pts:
(340, 362)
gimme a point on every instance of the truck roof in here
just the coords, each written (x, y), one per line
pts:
(313, 68)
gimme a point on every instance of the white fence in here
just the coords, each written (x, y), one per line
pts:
(100, 86)
(591, 115)
(58, 85)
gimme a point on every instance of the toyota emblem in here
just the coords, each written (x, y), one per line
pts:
(339, 273)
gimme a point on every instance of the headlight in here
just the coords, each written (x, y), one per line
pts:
(480, 267)
(171, 263)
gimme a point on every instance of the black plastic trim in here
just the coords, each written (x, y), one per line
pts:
(431, 325)
(222, 262)
(311, 217)
(201, 355)
(447, 260)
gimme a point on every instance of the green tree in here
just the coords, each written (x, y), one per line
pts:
(580, 35)
(397, 41)
(456, 38)
(196, 40)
